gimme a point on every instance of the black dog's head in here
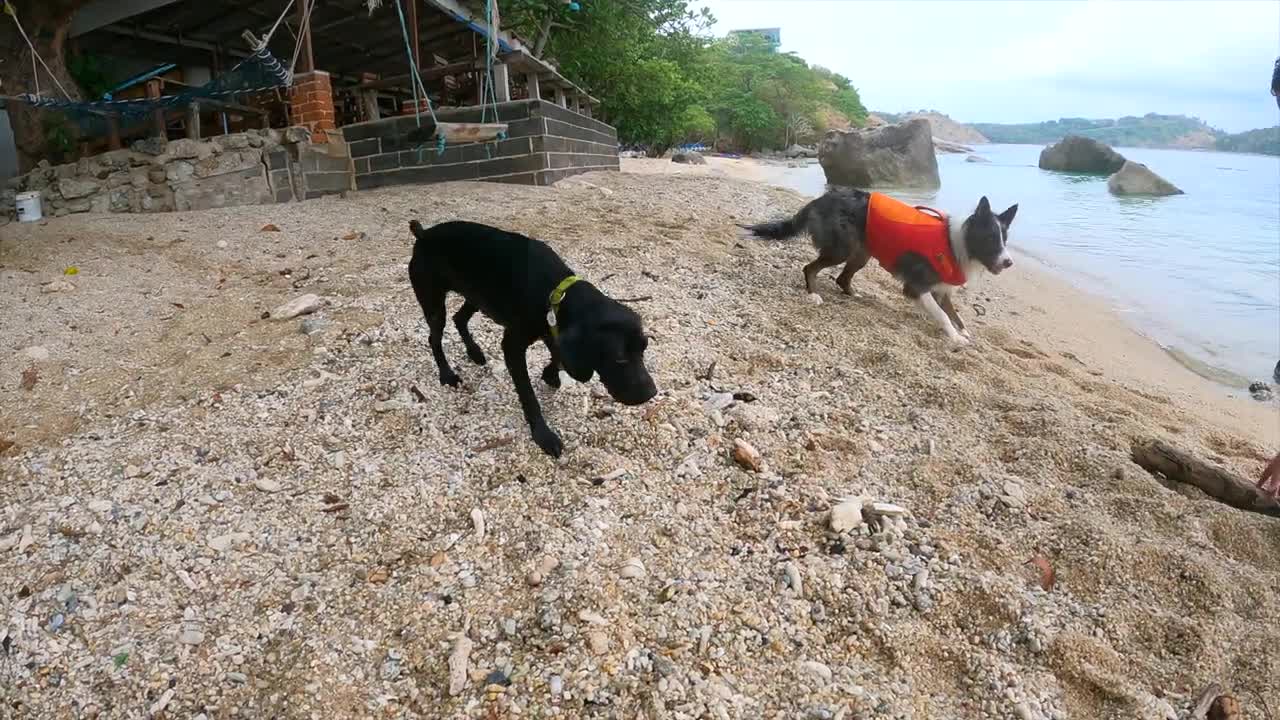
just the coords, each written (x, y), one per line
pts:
(986, 235)
(609, 341)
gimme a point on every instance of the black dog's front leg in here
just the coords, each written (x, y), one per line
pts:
(551, 373)
(513, 352)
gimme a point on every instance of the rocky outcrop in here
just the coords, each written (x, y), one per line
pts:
(944, 128)
(944, 146)
(1081, 155)
(800, 151)
(1134, 178)
(688, 158)
(899, 155)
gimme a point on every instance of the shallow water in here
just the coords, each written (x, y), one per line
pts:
(1199, 273)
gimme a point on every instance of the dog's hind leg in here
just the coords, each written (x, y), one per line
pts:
(856, 262)
(431, 299)
(812, 269)
(513, 352)
(460, 320)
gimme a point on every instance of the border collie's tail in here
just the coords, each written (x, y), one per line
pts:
(778, 229)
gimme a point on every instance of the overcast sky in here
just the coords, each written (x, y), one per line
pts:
(1032, 61)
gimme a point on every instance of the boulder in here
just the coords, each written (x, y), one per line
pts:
(800, 151)
(900, 155)
(1134, 178)
(151, 146)
(945, 146)
(1081, 155)
(72, 189)
(688, 158)
(976, 159)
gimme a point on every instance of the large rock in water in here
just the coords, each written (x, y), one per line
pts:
(1081, 155)
(688, 158)
(1134, 178)
(896, 155)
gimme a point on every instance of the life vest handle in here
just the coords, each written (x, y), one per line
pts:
(924, 208)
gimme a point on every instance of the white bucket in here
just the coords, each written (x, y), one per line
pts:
(28, 204)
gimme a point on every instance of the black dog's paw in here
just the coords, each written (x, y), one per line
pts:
(477, 356)
(450, 378)
(547, 439)
(551, 375)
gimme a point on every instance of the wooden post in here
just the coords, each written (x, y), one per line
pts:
(113, 132)
(193, 121)
(369, 101)
(585, 108)
(533, 85)
(561, 99)
(153, 92)
(501, 83)
(306, 58)
(411, 18)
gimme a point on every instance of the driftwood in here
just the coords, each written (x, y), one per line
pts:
(1223, 485)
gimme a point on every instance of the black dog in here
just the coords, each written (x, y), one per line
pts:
(523, 285)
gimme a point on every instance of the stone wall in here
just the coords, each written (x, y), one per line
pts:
(250, 168)
(545, 142)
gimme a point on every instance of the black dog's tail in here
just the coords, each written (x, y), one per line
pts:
(415, 227)
(779, 229)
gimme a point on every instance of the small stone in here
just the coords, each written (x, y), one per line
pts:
(301, 305)
(100, 506)
(792, 574)
(874, 446)
(131, 471)
(592, 617)
(237, 678)
(458, 661)
(221, 244)
(225, 542)
(817, 670)
(814, 298)
(598, 642)
(267, 485)
(191, 636)
(477, 521)
(632, 569)
(313, 325)
(36, 353)
(747, 456)
(556, 684)
(55, 286)
(846, 515)
(718, 401)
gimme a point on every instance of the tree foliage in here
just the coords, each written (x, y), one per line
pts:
(663, 80)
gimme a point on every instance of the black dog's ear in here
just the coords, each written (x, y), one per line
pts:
(1006, 217)
(575, 353)
(984, 207)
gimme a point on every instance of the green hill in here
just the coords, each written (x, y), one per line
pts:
(1265, 141)
(1150, 130)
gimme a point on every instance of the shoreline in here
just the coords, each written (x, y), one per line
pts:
(1055, 309)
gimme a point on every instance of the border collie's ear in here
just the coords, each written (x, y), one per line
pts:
(1006, 217)
(574, 354)
(984, 207)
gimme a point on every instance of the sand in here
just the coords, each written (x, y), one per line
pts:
(209, 512)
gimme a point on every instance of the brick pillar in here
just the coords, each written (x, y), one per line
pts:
(311, 104)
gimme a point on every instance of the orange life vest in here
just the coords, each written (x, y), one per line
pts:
(894, 228)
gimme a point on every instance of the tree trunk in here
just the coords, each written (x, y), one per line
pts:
(47, 23)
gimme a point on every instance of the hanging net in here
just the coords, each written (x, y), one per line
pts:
(260, 72)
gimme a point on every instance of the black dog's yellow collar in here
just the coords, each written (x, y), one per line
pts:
(557, 296)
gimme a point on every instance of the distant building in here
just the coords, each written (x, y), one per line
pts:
(773, 35)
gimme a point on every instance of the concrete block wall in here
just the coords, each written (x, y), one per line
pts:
(545, 142)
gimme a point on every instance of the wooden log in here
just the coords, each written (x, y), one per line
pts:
(469, 132)
(1229, 488)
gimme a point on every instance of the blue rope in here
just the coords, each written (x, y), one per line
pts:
(488, 70)
(416, 84)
